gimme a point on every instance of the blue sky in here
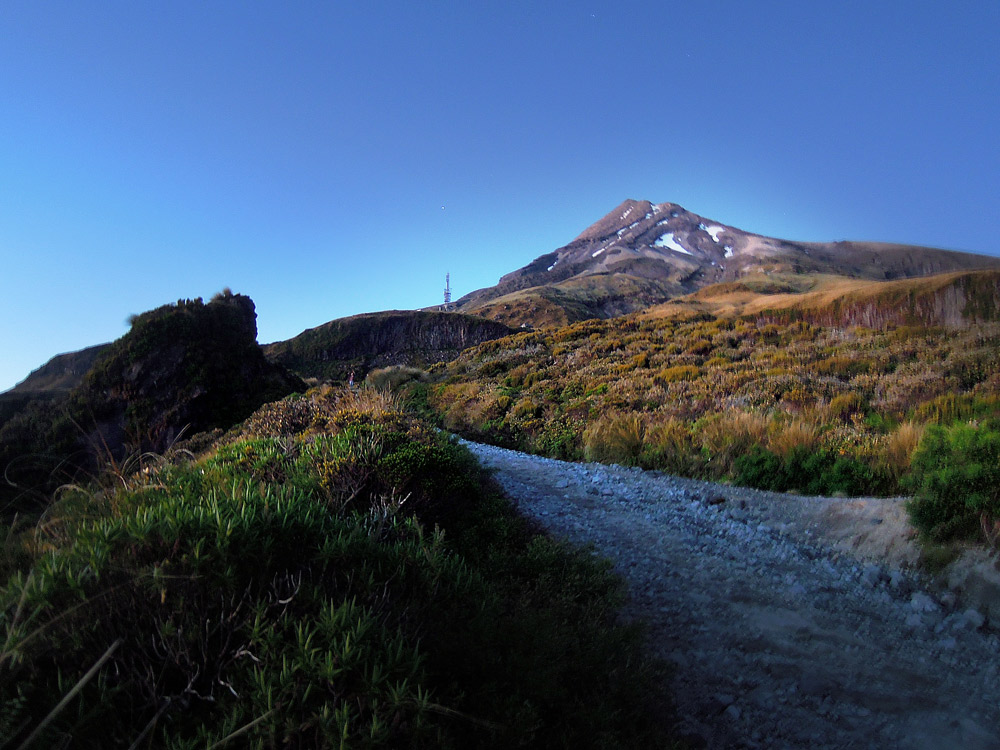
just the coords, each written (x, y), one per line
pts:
(331, 158)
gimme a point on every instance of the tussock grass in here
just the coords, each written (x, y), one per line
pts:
(615, 440)
(796, 435)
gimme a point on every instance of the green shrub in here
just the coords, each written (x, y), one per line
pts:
(761, 469)
(955, 480)
(808, 471)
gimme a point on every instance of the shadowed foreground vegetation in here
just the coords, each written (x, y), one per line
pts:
(331, 573)
(793, 406)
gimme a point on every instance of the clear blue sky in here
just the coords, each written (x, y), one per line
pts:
(332, 158)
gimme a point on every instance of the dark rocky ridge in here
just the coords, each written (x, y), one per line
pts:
(363, 342)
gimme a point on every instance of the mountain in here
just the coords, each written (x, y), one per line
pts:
(52, 381)
(398, 337)
(642, 254)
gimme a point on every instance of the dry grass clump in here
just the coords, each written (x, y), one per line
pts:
(618, 439)
(899, 446)
(670, 447)
(798, 434)
(677, 374)
(728, 435)
(393, 378)
(845, 406)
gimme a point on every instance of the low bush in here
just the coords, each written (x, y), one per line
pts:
(810, 472)
(955, 480)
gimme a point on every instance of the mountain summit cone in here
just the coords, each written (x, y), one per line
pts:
(642, 254)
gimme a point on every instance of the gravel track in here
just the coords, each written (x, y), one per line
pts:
(781, 636)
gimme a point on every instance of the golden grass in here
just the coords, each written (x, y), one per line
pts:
(899, 447)
(795, 434)
(814, 293)
(618, 439)
(730, 434)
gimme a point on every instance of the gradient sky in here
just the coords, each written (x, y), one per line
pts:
(332, 158)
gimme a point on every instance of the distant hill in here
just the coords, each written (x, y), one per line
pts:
(52, 381)
(643, 254)
(399, 337)
(61, 373)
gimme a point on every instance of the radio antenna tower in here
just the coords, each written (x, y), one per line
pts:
(447, 289)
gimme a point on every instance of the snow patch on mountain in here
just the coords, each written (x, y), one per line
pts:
(715, 231)
(667, 240)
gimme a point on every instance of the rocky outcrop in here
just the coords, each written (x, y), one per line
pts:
(363, 342)
(182, 368)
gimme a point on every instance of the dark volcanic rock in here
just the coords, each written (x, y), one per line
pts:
(362, 342)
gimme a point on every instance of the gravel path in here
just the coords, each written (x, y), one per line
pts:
(780, 637)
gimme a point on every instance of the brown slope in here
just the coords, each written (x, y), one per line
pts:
(954, 300)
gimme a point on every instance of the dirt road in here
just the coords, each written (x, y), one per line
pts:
(781, 633)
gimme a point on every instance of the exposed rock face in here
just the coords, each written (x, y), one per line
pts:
(675, 252)
(363, 342)
(190, 365)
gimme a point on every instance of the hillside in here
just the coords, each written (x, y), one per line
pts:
(642, 254)
(51, 382)
(954, 300)
(398, 337)
(783, 405)
(61, 373)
